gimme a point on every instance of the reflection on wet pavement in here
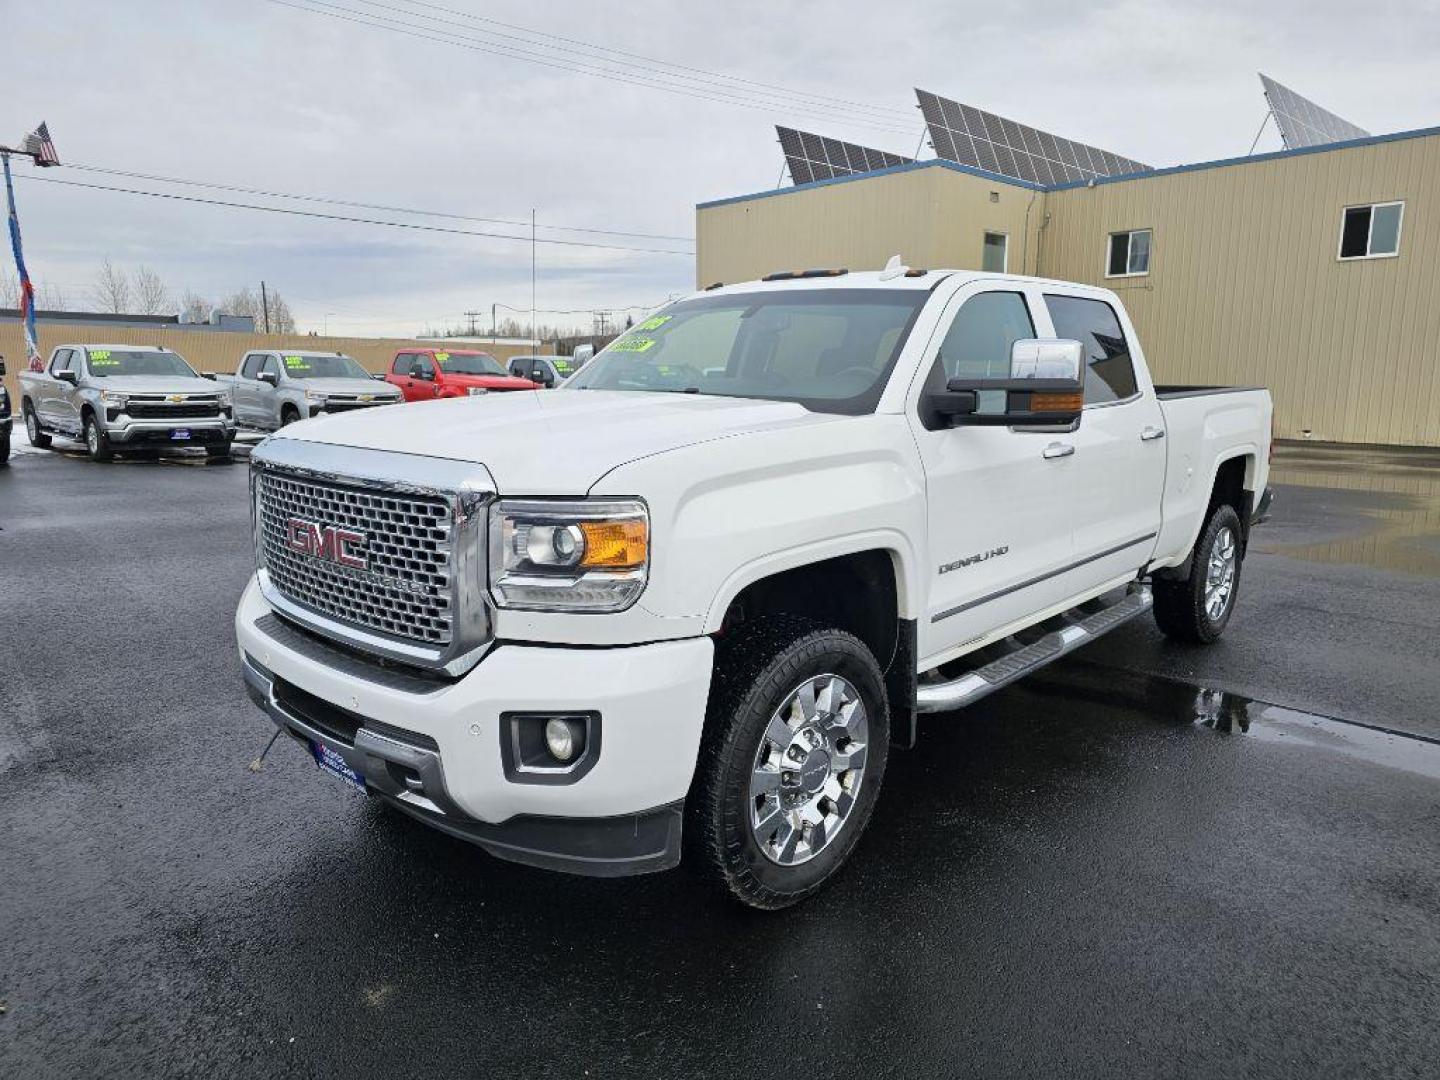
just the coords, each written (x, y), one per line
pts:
(1396, 492)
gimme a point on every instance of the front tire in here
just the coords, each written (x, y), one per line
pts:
(1197, 610)
(796, 738)
(97, 444)
(38, 438)
(289, 415)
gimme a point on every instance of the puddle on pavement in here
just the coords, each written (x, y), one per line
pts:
(1236, 716)
(1405, 522)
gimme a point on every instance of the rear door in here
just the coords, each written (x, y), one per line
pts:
(243, 389)
(47, 391)
(998, 542)
(1117, 471)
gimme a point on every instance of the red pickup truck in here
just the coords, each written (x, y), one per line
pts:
(427, 374)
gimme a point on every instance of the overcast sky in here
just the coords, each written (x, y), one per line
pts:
(255, 94)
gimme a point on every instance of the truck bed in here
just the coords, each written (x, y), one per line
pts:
(1179, 391)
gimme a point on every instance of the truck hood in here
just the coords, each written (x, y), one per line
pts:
(345, 386)
(489, 382)
(156, 384)
(552, 442)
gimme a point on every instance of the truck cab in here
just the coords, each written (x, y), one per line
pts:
(120, 397)
(430, 374)
(277, 387)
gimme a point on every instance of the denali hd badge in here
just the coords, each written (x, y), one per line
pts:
(329, 542)
(970, 560)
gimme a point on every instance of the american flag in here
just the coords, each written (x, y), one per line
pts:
(41, 147)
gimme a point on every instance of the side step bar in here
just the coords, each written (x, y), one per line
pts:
(974, 685)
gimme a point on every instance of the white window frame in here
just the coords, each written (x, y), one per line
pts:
(1130, 240)
(1370, 232)
(985, 234)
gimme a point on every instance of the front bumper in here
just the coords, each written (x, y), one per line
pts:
(125, 430)
(433, 748)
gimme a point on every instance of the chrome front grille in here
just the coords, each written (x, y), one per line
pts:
(405, 589)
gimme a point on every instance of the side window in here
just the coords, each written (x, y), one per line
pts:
(517, 368)
(977, 345)
(422, 368)
(1129, 254)
(271, 365)
(60, 360)
(1109, 372)
(251, 367)
(402, 363)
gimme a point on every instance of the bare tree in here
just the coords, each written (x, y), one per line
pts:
(281, 320)
(111, 290)
(151, 296)
(9, 290)
(194, 307)
(247, 302)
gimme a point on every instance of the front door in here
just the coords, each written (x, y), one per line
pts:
(1117, 471)
(998, 539)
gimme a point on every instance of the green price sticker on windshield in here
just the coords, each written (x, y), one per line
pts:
(654, 324)
(441, 357)
(101, 357)
(633, 344)
(298, 363)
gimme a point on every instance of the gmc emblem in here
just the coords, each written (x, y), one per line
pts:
(329, 542)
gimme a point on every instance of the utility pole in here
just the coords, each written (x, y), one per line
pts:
(265, 306)
(472, 315)
(493, 324)
(533, 334)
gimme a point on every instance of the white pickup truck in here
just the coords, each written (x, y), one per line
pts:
(697, 592)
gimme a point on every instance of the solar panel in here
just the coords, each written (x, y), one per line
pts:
(814, 157)
(1302, 122)
(982, 140)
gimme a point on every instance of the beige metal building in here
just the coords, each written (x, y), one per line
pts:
(1295, 269)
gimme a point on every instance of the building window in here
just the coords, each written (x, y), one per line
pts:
(1129, 253)
(995, 256)
(1371, 231)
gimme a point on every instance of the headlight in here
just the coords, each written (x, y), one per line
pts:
(579, 555)
(476, 391)
(315, 395)
(114, 400)
(226, 399)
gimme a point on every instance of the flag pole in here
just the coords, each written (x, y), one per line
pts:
(27, 290)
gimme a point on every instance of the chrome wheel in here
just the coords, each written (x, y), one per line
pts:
(1220, 574)
(808, 769)
(92, 437)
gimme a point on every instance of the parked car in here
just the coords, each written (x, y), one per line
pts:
(427, 374)
(548, 371)
(6, 420)
(125, 396)
(704, 587)
(274, 387)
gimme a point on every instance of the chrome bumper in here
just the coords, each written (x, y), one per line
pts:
(125, 432)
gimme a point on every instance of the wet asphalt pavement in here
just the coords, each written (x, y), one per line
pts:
(1114, 869)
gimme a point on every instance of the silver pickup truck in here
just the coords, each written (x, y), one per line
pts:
(125, 396)
(276, 388)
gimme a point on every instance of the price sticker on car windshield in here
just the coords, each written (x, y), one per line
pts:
(633, 344)
(297, 363)
(101, 358)
(654, 323)
(441, 357)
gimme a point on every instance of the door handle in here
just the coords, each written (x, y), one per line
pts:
(1057, 450)
(1150, 434)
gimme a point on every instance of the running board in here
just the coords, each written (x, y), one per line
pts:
(974, 685)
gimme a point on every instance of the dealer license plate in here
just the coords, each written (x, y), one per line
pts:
(332, 763)
(180, 434)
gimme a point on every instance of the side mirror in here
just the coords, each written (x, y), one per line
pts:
(1046, 385)
(268, 377)
(68, 376)
(379, 378)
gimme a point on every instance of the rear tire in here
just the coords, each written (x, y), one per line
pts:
(796, 738)
(38, 438)
(96, 442)
(1197, 610)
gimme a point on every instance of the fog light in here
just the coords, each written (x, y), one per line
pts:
(562, 738)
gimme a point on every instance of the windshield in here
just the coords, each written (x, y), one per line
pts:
(475, 363)
(325, 366)
(830, 350)
(107, 362)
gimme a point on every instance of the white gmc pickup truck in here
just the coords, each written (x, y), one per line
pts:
(697, 593)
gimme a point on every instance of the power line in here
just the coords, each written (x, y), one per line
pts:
(358, 220)
(426, 33)
(684, 73)
(333, 201)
